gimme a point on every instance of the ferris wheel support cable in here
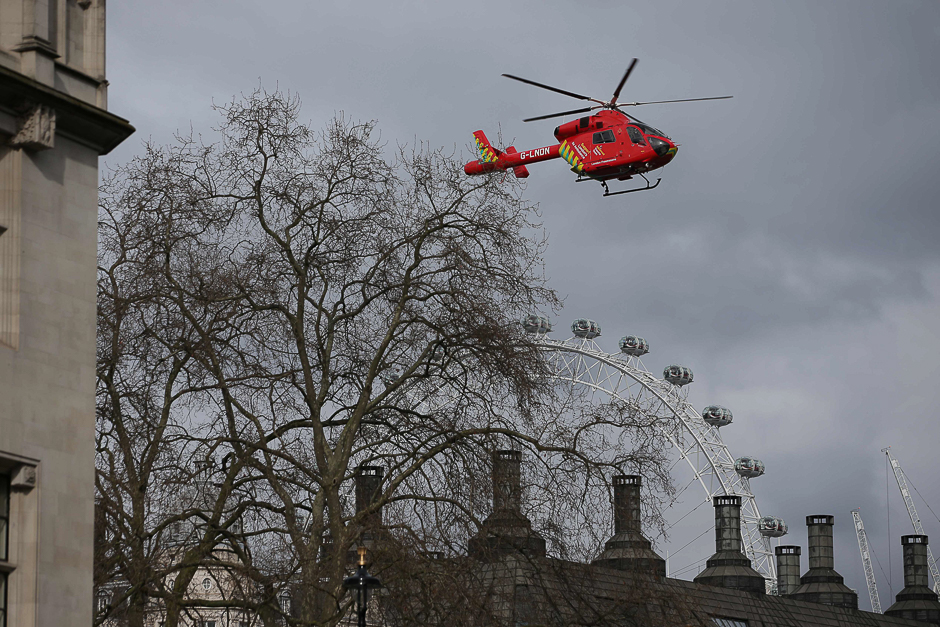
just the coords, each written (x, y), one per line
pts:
(866, 562)
(685, 515)
(572, 364)
(912, 512)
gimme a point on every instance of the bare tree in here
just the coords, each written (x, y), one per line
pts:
(295, 305)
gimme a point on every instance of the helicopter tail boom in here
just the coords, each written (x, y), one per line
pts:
(520, 171)
(492, 159)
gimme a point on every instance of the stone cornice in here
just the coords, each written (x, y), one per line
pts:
(75, 119)
(34, 42)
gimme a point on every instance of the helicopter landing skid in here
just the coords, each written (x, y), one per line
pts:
(607, 191)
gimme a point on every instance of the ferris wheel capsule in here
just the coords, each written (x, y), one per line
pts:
(536, 324)
(749, 467)
(772, 527)
(717, 416)
(634, 346)
(391, 375)
(588, 329)
(678, 375)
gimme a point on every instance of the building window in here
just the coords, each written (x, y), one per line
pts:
(4, 543)
(4, 517)
(102, 601)
(285, 603)
(3, 599)
(207, 584)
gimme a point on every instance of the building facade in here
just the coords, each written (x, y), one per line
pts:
(54, 125)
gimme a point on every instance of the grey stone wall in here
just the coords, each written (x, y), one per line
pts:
(47, 384)
(53, 127)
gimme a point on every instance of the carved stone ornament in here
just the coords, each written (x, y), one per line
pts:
(24, 478)
(35, 129)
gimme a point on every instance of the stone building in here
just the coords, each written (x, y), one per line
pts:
(506, 577)
(54, 125)
(626, 584)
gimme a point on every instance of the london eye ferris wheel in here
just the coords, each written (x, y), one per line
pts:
(695, 436)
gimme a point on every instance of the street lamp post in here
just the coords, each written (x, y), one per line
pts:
(361, 583)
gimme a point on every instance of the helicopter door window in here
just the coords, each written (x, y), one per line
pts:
(635, 135)
(604, 137)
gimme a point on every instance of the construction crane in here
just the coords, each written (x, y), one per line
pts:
(915, 519)
(866, 562)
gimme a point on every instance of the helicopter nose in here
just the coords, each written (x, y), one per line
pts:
(661, 146)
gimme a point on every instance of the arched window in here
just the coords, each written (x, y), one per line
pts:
(102, 601)
(285, 602)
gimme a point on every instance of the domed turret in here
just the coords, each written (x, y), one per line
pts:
(772, 527)
(588, 329)
(749, 467)
(678, 375)
(634, 346)
(536, 324)
(717, 416)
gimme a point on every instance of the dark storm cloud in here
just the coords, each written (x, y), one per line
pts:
(790, 255)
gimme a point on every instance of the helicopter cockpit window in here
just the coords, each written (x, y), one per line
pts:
(649, 130)
(635, 135)
(604, 137)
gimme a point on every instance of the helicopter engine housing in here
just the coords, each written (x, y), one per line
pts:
(581, 125)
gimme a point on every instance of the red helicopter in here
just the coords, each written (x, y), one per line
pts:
(606, 145)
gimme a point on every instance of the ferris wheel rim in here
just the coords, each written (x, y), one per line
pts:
(759, 551)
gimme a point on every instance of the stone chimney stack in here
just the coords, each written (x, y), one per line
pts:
(368, 489)
(506, 530)
(628, 549)
(788, 569)
(916, 601)
(821, 583)
(729, 567)
(368, 480)
(819, 537)
(507, 481)
(915, 561)
(627, 503)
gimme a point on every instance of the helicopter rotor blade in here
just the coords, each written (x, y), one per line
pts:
(555, 89)
(636, 104)
(558, 115)
(626, 75)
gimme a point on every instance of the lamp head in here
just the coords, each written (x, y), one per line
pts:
(361, 581)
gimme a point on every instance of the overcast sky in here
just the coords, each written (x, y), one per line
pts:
(789, 257)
